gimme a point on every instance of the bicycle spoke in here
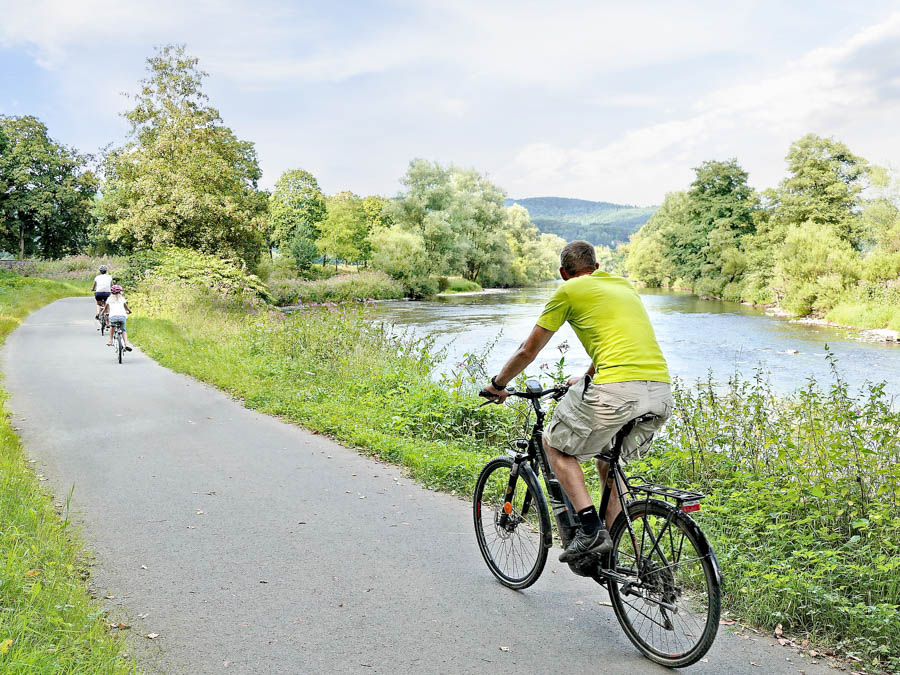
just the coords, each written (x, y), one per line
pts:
(666, 571)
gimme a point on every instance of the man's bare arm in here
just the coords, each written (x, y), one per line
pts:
(525, 354)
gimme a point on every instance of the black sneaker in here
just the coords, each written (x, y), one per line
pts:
(582, 543)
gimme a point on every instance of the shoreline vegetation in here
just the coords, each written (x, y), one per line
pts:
(49, 624)
(804, 490)
(824, 245)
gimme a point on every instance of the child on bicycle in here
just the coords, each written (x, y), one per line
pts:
(118, 309)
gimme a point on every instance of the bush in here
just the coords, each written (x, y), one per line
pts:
(420, 287)
(71, 268)
(192, 268)
(371, 285)
(462, 286)
(803, 508)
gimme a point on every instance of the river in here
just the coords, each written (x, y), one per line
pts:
(697, 337)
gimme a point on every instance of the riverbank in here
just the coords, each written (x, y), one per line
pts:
(48, 623)
(885, 335)
(870, 322)
(821, 559)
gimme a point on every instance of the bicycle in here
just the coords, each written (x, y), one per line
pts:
(117, 331)
(103, 319)
(660, 557)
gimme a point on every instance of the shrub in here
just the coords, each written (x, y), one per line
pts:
(462, 286)
(192, 268)
(372, 285)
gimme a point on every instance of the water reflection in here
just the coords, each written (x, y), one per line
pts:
(697, 336)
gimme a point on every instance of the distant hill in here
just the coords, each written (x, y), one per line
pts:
(597, 222)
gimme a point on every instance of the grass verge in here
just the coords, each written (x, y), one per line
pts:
(48, 624)
(804, 506)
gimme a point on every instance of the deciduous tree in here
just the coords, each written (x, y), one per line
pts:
(46, 192)
(183, 177)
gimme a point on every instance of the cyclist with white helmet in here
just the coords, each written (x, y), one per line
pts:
(118, 309)
(101, 286)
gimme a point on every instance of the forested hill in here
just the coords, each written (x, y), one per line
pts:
(597, 222)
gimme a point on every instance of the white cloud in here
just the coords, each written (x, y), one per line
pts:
(830, 91)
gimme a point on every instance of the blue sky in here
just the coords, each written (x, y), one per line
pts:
(596, 100)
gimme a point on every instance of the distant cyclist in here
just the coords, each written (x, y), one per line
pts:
(101, 286)
(628, 378)
(118, 311)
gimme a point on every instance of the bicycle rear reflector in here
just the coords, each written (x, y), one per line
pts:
(690, 507)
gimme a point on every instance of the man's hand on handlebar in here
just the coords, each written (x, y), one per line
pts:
(499, 395)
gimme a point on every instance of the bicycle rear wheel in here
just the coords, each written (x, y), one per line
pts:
(513, 532)
(119, 344)
(670, 606)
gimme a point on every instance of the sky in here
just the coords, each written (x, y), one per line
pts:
(594, 100)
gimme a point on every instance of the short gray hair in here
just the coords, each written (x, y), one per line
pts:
(578, 256)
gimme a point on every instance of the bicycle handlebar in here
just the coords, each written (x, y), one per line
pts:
(556, 392)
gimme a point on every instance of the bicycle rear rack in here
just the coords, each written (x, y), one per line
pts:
(679, 495)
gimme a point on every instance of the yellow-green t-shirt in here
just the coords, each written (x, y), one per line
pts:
(610, 321)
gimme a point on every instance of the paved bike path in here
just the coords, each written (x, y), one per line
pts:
(250, 545)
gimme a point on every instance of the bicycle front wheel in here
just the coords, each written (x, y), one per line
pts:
(669, 607)
(513, 530)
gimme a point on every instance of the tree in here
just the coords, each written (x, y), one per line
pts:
(424, 210)
(477, 218)
(815, 268)
(344, 232)
(377, 214)
(302, 248)
(823, 187)
(46, 192)
(720, 208)
(648, 259)
(296, 204)
(458, 214)
(400, 254)
(533, 256)
(182, 178)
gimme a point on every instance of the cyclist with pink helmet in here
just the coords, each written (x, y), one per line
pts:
(118, 311)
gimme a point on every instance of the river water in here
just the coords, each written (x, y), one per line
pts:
(697, 337)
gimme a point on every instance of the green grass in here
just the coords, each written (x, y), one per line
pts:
(804, 506)
(48, 624)
(456, 285)
(860, 314)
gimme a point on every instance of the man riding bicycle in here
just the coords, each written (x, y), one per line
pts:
(628, 378)
(102, 284)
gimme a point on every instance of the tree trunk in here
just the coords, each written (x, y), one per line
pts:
(21, 242)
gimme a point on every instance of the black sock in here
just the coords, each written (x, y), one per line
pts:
(590, 521)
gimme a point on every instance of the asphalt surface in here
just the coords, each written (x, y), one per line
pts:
(249, 545)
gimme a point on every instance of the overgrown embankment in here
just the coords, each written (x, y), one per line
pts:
(47, 622)
(804, 506)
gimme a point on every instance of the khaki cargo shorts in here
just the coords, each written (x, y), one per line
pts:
(589, 416)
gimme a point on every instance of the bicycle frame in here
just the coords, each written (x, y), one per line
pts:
(563, 511)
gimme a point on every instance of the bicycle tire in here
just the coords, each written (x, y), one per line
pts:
(102, 327)
(702, 595)
(119, 344)
(515, 550)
